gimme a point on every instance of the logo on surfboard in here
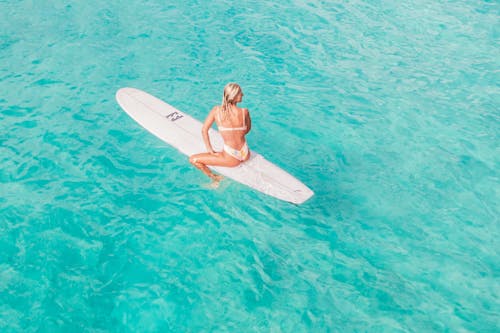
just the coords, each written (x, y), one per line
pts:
(174, 116)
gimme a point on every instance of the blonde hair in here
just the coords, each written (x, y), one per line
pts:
(231, 90)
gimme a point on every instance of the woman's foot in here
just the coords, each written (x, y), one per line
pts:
(216, 178)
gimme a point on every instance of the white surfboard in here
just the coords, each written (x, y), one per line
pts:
(184, 133)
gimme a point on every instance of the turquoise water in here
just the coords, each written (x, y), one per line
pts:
(388, 110)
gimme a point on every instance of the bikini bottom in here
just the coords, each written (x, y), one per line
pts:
(239, 154)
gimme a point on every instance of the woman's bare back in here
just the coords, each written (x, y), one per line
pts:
(234, 126)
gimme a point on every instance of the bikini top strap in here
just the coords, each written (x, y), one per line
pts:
(243, 118)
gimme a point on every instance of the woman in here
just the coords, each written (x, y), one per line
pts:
(233, 123)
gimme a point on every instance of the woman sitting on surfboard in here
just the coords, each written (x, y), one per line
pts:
(233, 123)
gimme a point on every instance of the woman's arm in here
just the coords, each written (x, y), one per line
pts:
(206, 126)
(248, 121)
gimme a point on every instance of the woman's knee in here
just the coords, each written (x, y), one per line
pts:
(193, 159)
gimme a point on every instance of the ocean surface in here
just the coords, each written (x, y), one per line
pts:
(388, 110)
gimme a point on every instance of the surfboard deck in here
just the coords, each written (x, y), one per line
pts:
(183, 132)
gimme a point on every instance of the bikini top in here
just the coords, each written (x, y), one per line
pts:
(222, 128)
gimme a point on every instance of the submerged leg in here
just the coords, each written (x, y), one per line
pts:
(203, 167)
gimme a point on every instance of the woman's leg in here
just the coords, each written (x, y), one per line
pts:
(201, 161)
